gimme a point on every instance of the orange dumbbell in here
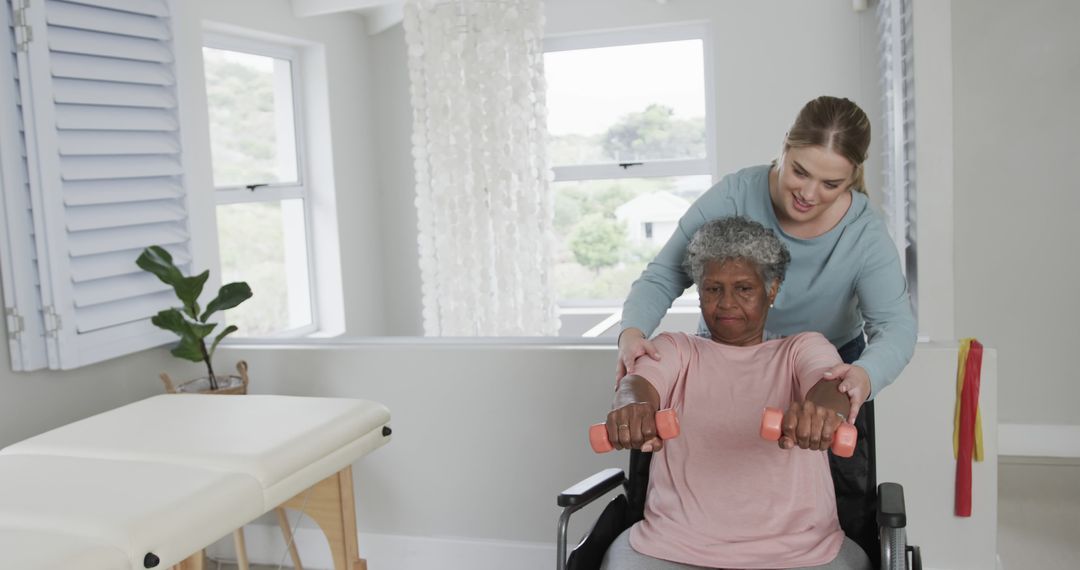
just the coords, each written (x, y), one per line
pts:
(667, 427)
(843, 441)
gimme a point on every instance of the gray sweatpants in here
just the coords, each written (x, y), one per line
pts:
(621, 556)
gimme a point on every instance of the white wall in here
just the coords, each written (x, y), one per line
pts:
(1017, 194)
(769, 58)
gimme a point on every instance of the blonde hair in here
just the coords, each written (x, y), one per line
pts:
(835, 124)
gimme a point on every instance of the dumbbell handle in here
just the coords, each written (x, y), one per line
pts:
(843, 442)
(667, 427)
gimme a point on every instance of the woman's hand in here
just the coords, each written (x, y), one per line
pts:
(855, 382)
(633, 426)
(632, 344)
(808, 426)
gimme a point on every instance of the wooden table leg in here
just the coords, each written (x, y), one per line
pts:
(330, 503)
(283, 522)
(241, 550)
(196, 561)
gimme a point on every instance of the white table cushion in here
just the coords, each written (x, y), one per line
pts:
(287, 443)
(46, 550)
(136, 507)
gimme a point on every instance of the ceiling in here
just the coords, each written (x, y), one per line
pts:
(378, 14)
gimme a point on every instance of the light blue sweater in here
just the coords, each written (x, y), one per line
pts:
(838, 283)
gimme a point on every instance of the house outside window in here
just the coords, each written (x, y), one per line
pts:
(631, 148)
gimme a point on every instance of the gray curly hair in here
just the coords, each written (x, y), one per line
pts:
(736, 237)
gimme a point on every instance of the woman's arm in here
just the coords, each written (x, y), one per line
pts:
(665, 279)
(631, 424)
(885, 306)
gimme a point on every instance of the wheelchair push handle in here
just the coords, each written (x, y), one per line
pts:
(843, 443)
(667, 427)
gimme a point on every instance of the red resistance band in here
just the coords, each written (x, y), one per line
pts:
(969, 405)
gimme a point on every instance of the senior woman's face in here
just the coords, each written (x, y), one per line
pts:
(734, 301)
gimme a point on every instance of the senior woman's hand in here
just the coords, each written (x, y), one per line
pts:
(632, 344)
(855, 382)
(633, 426)
(808, 426)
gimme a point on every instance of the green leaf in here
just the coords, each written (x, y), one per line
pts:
(188, 290)
(199, 330)
(171, 320)
(188, 349)
(158, 261)
(228, 330)
(229, 296)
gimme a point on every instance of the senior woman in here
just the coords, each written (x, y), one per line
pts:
(844, 278)
(720, 496)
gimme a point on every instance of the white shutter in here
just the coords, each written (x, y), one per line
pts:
(25, 324)
(108, 165)
(898, 79)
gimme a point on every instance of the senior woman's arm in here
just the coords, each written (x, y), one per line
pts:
(631, 423)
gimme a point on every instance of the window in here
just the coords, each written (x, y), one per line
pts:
(631, 145)
(263, 208)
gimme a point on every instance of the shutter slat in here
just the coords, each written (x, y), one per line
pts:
(119, 239)
(86, 17)
(87, 192)
(98, 317)
(91, 267)
(101, 143)
(97, 43)
(147, 7)
(114, 118)
(101, 167)
(98, 217)
(83, 92)
(117, 288)
(77, 66)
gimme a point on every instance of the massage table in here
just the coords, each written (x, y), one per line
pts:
(152, 483)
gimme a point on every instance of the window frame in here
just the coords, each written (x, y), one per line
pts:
(654, 168)
(708, 166)
(276, 191)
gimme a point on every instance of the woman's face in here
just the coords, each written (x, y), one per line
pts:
(734, 301)
(810, 182)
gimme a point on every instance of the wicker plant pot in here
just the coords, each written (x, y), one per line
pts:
(231, 384)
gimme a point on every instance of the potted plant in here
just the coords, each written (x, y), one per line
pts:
(191, 324)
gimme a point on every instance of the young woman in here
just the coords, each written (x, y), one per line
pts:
(844, 279)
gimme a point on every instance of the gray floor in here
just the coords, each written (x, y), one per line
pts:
(1039, 516)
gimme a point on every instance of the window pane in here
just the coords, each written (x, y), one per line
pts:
(631, 103)
(610, 229)
(252, 131)
(264, 244)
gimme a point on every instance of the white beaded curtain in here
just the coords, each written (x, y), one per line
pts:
(483, 190)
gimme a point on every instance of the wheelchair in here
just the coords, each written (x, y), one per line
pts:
(629, 507)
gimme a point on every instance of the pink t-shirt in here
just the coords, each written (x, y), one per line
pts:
(720, 495)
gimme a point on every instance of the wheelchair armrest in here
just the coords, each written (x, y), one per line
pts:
(891, 512)
(590, 489)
